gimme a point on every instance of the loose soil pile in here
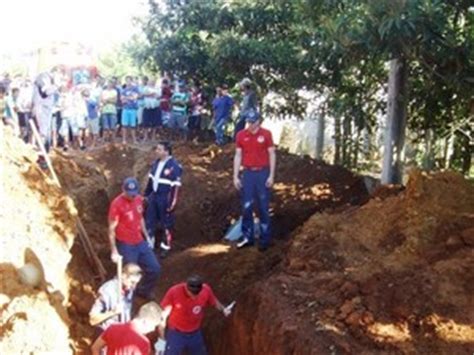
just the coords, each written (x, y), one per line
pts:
(37, 226)
(393, 276)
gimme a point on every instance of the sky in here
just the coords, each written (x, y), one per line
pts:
(28, 24)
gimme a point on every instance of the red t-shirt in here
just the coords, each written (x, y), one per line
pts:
(255, 147)
(129, 214)
(187, 313)
(165, 102)
(124, 339)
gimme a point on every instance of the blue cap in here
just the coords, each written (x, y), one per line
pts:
(251, 116)
(130, 186)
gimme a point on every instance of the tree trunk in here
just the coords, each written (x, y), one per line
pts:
(449, 151)
(428, 156)
(466, 155)
(392, 170)
(356, 149)
(346, 141)
(320, 136)
(337, 140)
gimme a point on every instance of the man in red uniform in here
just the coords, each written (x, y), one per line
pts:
(256, 153)
(129, 338)
(183, 307)
(126, 226)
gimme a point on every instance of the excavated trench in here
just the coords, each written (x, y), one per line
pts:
(391, 276)
(208, 205)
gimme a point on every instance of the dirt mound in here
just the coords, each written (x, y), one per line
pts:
(38, 227)
(393, 275)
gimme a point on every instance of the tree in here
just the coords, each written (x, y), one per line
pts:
(339, 48)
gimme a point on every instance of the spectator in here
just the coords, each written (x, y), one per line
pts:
(194, 124)
(108, 101)
(165, 102)
(249, 102)
(179, 110)
(129, 96)
(13, 108)
(92, 124)
(69, 126)
(151, 110)
(25, 106)
(222, 107)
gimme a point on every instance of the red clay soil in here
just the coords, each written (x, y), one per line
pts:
(208, 205)
(393, 276)
(37, 226)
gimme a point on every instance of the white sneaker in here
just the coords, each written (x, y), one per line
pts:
(244, 243)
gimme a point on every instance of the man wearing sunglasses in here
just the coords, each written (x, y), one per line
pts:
(183, 309)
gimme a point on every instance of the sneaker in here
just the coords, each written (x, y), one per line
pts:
(244, 243)
(262, 248)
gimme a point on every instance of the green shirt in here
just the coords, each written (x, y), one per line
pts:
(109, 101)
(179, 102)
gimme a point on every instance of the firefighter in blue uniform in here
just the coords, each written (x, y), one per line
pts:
(161, 194)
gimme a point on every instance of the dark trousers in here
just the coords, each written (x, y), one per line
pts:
(177, 342)
(254, 189)
(144, 256)
(239, 125)
(194, 123)
(157, 213)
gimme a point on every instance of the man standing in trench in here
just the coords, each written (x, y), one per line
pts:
(161, 194)
(256, 153)
(183, 311)
(126, 225)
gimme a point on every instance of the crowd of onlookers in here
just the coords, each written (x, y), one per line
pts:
(134, 110)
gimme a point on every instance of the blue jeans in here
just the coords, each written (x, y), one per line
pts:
(177, 342)
(254, 189)
(109, 121)
(142, 255)
(220, 128)
(179, 121)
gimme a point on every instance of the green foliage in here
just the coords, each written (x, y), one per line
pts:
(339, 48)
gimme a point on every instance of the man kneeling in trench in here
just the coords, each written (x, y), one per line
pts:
(108, 308)
(183, 310)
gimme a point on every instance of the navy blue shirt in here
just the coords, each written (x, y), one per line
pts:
(222, 106)
(92, 106)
